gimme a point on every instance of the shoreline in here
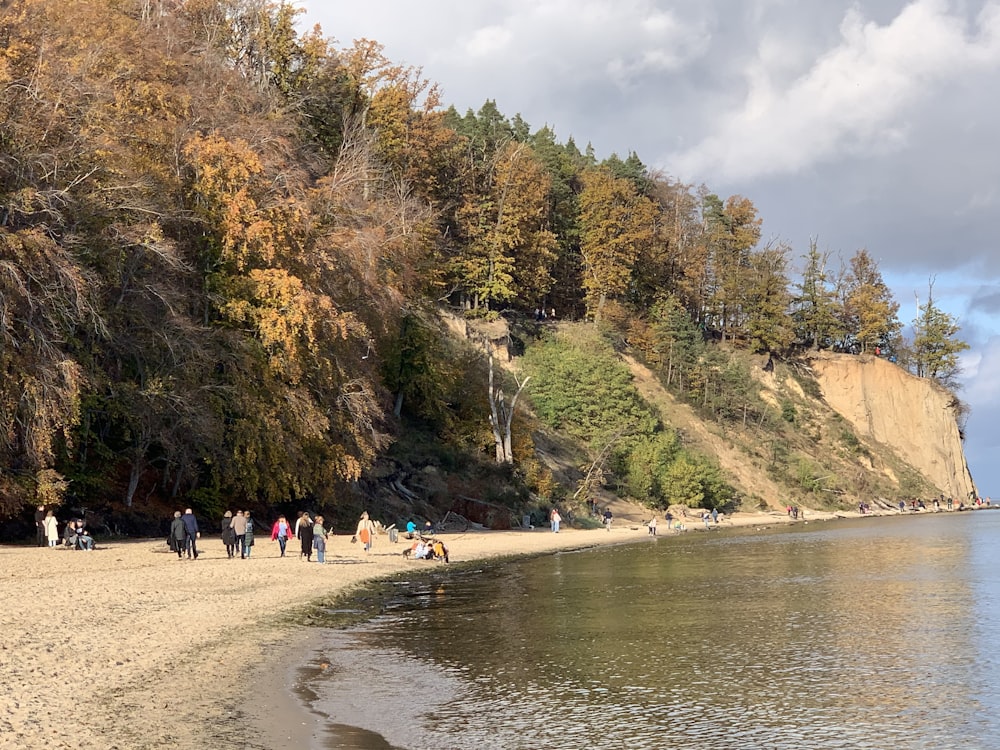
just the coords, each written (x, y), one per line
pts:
(128, 647)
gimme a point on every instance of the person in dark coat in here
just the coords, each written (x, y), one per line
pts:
(229, 534)
(40, 526)
(177, 535)
(306, 537)
(191, 534)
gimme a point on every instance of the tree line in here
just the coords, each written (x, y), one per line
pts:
(221, 237)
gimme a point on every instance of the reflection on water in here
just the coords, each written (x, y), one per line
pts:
(868, 634)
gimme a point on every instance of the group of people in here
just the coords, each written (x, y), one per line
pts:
(238, 534)
(427, 549)
(74, 535)
(184, 535)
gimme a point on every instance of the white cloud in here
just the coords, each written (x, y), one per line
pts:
(487, 41)
(856, 98)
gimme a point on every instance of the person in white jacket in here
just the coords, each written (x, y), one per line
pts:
(51, 529)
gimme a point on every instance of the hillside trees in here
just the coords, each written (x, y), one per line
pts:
(732, 230)
(221, 240)
(815, 313)
(616, 224)
(870, 312)
(508, 249)
(766, 299)
(936, 347)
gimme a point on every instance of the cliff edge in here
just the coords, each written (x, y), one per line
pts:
(912, 416)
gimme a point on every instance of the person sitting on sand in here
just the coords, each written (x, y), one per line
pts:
(419, 551)
(84, 540)
(69, 534)
(440, 552)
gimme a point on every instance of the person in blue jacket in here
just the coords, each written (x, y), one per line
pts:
(191, 534)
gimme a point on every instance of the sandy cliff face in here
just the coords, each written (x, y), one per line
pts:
(911, 415)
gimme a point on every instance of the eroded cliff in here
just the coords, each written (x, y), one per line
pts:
(911, 416)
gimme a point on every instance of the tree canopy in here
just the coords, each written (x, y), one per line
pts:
(221, 238)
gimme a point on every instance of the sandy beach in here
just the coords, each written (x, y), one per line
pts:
(128, 647)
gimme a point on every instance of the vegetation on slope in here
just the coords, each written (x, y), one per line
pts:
(223, 241)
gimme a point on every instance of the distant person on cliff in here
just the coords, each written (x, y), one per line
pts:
(305, 536)
(191, 534)
(177, 535)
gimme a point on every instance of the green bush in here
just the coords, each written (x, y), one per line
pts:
(583, 389)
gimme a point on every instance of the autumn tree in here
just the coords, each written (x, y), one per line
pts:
(509, 250)
(870, 312)
(677, 258)
(732, 230)
(616, 225)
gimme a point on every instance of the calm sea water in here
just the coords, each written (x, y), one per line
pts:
(876, 633)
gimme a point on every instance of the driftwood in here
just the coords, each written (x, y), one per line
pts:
(398, 485)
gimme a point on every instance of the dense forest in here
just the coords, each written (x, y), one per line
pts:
(223, 241)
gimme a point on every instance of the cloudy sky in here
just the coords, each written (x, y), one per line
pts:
(865, 124)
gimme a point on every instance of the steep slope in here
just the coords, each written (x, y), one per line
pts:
(910, 415)
(740, 469)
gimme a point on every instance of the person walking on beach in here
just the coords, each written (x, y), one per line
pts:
(281, 531)
(51, 529)
(365, 532)
(40, 534)
(177, 535)
(240, 531)
(302, 518)
(554, 520)
(191, 534)
(306, 536)
(229, 534)
(319, 535)
(248, 536)
(607, 518)
(652, 526)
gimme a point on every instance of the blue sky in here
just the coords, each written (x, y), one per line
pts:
(862, 124)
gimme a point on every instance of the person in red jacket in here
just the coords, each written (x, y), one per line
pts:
(281, 531)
